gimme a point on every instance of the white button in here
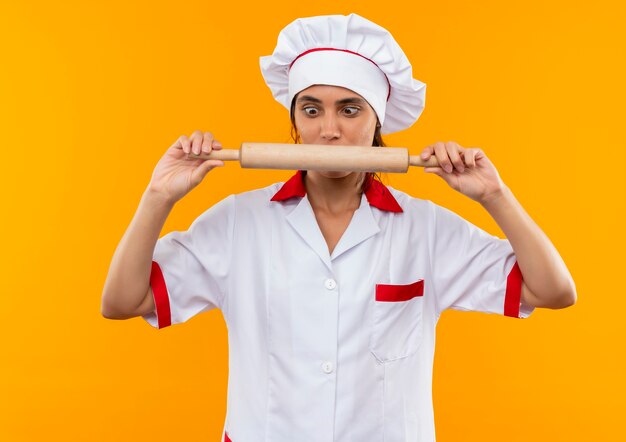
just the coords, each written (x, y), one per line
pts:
(327, 367)
(330, 284)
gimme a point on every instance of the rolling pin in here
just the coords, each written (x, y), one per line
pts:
(320, 157)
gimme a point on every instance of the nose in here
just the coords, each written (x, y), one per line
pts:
(329, 129)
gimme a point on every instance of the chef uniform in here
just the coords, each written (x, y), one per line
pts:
(333, 347)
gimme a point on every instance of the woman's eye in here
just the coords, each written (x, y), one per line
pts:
(350, 110)
(310, 111)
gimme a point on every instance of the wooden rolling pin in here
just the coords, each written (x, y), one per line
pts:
(320, 157)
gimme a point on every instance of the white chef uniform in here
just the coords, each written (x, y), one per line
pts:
(334, 347)
(337, 347)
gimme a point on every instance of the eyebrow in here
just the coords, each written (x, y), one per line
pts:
(338, 102)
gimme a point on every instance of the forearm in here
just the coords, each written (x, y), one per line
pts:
(128, 279)
(544, 272)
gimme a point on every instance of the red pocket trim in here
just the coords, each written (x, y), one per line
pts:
(398, 293)
(226, 438)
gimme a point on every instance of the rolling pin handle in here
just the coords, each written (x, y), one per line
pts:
(222, 154)
(416, 160)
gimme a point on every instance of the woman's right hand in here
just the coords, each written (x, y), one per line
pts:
(175, 175)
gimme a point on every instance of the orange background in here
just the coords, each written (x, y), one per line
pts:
(92, 95)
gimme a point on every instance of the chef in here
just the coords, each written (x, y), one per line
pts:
(331, 284)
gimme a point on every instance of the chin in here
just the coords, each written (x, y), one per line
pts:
(334, 174)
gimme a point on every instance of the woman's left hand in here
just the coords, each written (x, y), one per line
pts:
(467, 170)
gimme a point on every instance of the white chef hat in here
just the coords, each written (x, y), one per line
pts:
(348, 51)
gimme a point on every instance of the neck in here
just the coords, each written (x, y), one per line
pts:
(334, 195)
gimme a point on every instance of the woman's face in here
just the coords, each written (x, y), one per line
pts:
(334, 115)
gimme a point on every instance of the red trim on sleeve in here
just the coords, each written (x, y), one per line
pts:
(226, 438)
(513, 295)
(161, 298)
(398, 293)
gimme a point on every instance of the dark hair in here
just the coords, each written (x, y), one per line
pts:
(377, 141)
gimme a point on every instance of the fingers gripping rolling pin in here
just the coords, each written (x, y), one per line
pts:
(320, 157)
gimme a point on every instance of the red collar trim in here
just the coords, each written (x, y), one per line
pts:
(292, 188)
(376, 193)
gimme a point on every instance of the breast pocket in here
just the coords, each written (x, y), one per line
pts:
(397, 320)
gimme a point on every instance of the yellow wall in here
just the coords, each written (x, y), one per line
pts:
(91, 96)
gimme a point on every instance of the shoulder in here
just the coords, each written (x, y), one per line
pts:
(253, 205)
(415, 205)
(257, 197)
(411, 205)
(428, 214)
(228, 208)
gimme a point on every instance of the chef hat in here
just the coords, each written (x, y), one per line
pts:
(351, 52)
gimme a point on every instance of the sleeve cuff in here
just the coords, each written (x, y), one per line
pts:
(163, 317)
(512, 298)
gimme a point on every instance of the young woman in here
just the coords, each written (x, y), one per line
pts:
(331, 284)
